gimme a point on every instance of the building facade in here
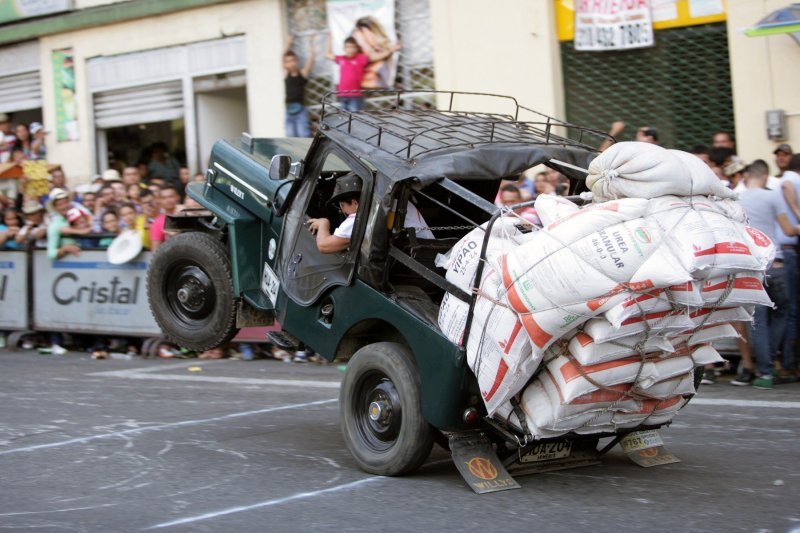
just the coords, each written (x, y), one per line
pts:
(124, 74)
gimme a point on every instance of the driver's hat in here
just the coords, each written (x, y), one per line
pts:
(347, 185)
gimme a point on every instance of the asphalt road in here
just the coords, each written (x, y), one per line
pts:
(255, 446)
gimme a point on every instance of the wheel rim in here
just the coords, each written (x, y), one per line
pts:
(190, 293)
(378, 411)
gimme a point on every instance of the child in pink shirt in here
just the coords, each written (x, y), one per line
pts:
(351, 72)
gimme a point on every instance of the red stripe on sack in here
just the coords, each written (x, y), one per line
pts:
(596, 303)
(570, 371)
(513, 296)
(640, 286)
(584, 339)
(644, 297)
(649, 316)
(706, 310)
(683, 287)
(513, 338)
(609, 394)
(502, 369)
(538, 336)
(748, 284)
(736, 248)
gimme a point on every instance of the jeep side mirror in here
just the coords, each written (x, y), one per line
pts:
(279, 167)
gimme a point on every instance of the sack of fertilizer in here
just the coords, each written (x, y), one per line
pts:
(498, 352)
(643, 170)
(601, 267)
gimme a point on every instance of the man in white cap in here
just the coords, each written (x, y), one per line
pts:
(58, 205)
(7, 139)
(35, 228)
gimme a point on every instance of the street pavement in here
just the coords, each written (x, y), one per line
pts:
(233, 445)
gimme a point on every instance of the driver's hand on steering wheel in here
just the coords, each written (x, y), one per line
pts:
(314, 224)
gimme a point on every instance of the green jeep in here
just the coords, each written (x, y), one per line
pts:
(247, 259)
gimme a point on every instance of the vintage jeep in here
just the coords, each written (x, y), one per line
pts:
(247, 259)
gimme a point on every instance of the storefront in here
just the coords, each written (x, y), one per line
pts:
(20, 82)
(196, 91)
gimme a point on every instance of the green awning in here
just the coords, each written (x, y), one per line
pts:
(782, 21)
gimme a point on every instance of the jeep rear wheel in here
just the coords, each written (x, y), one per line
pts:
(190, 290)
(381, 416)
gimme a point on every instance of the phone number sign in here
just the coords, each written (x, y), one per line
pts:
(602, 25)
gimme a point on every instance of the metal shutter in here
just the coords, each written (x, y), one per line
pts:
(138, 105)
(681, 86)
(20, 92)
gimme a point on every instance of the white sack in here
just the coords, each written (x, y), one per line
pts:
(498, 352)
(643, 170)
(601, 330)
(704, 335)
(746, 288)
(587, 352)
(686, 294)
(551, 207)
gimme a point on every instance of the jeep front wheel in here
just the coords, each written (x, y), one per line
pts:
(380, 407)
(190, 290)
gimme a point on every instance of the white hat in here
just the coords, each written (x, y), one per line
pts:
(111, 175)
(126, 246)
(55, 194)
(36, 127)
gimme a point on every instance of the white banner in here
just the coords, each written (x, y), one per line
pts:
(371, 24)
(87, 294)
(613, 25)
(13, 290)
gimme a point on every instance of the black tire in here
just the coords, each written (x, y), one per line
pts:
(383, 375)
(190, 290)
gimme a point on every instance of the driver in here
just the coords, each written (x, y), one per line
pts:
(346, 192)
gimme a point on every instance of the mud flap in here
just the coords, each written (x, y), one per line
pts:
(646, 448)
(478, 463)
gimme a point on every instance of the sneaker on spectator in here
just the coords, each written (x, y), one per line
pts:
(300, 356)
(57, 350)
(744, 378)
(709, 377)
(763, 382)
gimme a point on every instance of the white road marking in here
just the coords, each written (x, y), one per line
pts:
(134, 374)
(727, 402)
(81, 440)
(268, 503)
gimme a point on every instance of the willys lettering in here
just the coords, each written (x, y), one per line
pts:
(66, 291)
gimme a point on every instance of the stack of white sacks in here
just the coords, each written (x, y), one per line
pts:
(597, 321)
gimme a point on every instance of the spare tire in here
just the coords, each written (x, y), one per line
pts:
(190, 291)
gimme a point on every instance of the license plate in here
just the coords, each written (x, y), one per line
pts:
(641, 440)
(547, 451)
(270, 284)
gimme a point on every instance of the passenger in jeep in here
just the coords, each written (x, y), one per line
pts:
(346, 193)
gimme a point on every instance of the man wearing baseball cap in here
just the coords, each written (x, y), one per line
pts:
(783, 154)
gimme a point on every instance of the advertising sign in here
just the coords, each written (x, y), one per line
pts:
(602, 25)
(371, 24)
(65, 101)
(88, 294)
(13, 290)
(21, 9)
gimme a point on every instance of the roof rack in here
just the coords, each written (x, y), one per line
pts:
(408, 132)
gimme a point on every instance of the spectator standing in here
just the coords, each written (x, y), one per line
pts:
(766, 210)
(511, 195)
(110, 225)
(351, 72)
(295, 87)
(59, 205)
(23, 142)
(168, 200)
(34, 231)
(7, 139)
(163, 165)
(38, 148)
(783, 154)
(130, 176)
(723, 139)
(9, 229)
(371, 37)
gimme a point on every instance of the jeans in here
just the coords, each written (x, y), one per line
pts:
(790, 338)
(769, 325)
(297, 124)
(352, 103)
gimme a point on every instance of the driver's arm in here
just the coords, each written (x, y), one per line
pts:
(326, 242)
